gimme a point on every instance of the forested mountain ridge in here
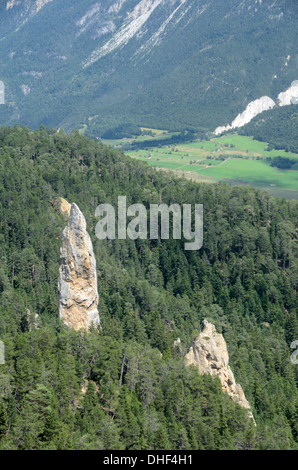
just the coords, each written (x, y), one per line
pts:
(112, 389)
(179, 64)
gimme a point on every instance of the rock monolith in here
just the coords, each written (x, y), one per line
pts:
(77, 284)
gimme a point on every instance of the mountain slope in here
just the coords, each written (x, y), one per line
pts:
(172, 64)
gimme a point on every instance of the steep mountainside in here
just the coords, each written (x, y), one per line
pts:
(176, 64)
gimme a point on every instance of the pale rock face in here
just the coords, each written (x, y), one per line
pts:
(25, 89)
(64, 207)
(12, 3)
(290, 96)
(41, 3)
(135, 21)
(77, 284)
(210, 355)
(286, 98)
(36, 6)
(252, 110)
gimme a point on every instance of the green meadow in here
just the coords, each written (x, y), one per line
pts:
(256, 172)
(232, 158)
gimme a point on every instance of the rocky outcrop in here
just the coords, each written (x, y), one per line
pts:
(62, 207)
(77, 285)
(290, 96)
(210, 355)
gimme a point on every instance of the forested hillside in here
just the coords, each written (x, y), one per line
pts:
(125, 386)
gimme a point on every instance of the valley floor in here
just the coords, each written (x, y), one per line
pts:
(233, 158)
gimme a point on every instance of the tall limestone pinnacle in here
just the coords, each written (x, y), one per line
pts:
(210, 355)
(77, 284)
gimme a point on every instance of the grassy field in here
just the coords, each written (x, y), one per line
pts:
(149, 135)
(233, 158)
(257, 172)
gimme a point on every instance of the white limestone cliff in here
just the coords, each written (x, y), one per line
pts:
(252, 110)
(285, 98)
(290, 96)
